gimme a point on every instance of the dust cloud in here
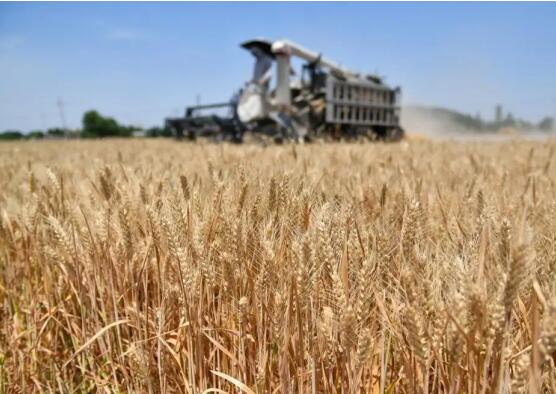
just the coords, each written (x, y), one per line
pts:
(438, 123)
(425, 122)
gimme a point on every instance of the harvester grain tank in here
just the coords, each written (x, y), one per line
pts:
(323, 100)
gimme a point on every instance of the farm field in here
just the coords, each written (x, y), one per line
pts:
(158, 266)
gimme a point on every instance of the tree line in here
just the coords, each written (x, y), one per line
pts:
(94, 125)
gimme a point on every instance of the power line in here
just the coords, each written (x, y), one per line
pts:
(62, 114)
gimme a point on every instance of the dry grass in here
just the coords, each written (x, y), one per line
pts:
(156, 266)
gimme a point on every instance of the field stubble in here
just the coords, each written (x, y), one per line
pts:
(156, 266)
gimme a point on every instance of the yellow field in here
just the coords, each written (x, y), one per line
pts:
(158, 266)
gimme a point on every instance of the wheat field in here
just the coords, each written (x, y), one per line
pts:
(157, 266)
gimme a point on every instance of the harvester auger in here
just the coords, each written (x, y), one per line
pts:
(326, 101)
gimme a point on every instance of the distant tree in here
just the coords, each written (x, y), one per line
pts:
(9, 135)
(56, 132)
(127, 131)
(155, 132)
(35, 134)
(547, 124)
(97, 126)
(73, 133)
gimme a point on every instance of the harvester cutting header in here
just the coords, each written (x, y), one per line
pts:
(323, 101)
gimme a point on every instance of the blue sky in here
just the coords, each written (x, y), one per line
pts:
(141, 62)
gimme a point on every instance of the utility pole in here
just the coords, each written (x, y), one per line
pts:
(62, 115)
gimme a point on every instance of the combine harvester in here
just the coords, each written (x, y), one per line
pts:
(326, 101)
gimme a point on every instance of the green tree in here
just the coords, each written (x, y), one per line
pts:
(56, 132)
(35, 134)
(96, 125)
(158, 132)
(547, 124)
(127, 131)
(9, 135)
